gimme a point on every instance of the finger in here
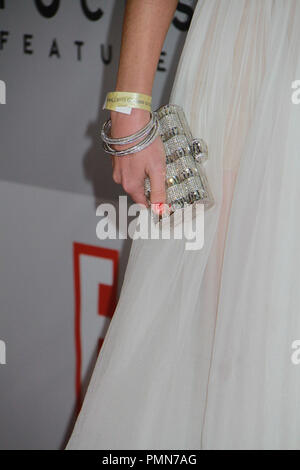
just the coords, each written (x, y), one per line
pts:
(158, 186)
(140, 198)
(116, 174)
(134, 186)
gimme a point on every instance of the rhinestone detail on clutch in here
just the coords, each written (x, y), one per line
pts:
(186, 181)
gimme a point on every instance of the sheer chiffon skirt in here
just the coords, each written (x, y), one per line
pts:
(198, 353)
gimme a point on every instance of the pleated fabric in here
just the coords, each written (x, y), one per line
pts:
(198, 353)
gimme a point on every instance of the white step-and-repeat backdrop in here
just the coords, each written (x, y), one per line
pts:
(58, 282)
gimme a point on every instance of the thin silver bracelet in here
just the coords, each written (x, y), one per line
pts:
(154, 131)
(105, 131)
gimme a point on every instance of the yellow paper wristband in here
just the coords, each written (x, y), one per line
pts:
(124, 101)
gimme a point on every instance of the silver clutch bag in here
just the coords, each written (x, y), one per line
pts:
(186, 181)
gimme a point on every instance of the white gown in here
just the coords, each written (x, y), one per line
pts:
(198, 353)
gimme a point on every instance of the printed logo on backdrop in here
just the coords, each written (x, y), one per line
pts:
(29, 43)
(95, 285)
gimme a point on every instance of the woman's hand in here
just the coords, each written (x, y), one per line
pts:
(131, 170)
(144, 30)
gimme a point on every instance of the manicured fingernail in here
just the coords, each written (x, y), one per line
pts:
(160, 208)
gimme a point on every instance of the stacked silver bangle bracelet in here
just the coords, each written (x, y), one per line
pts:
(148, 133)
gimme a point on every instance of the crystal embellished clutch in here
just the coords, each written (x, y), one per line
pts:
(186, 181)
